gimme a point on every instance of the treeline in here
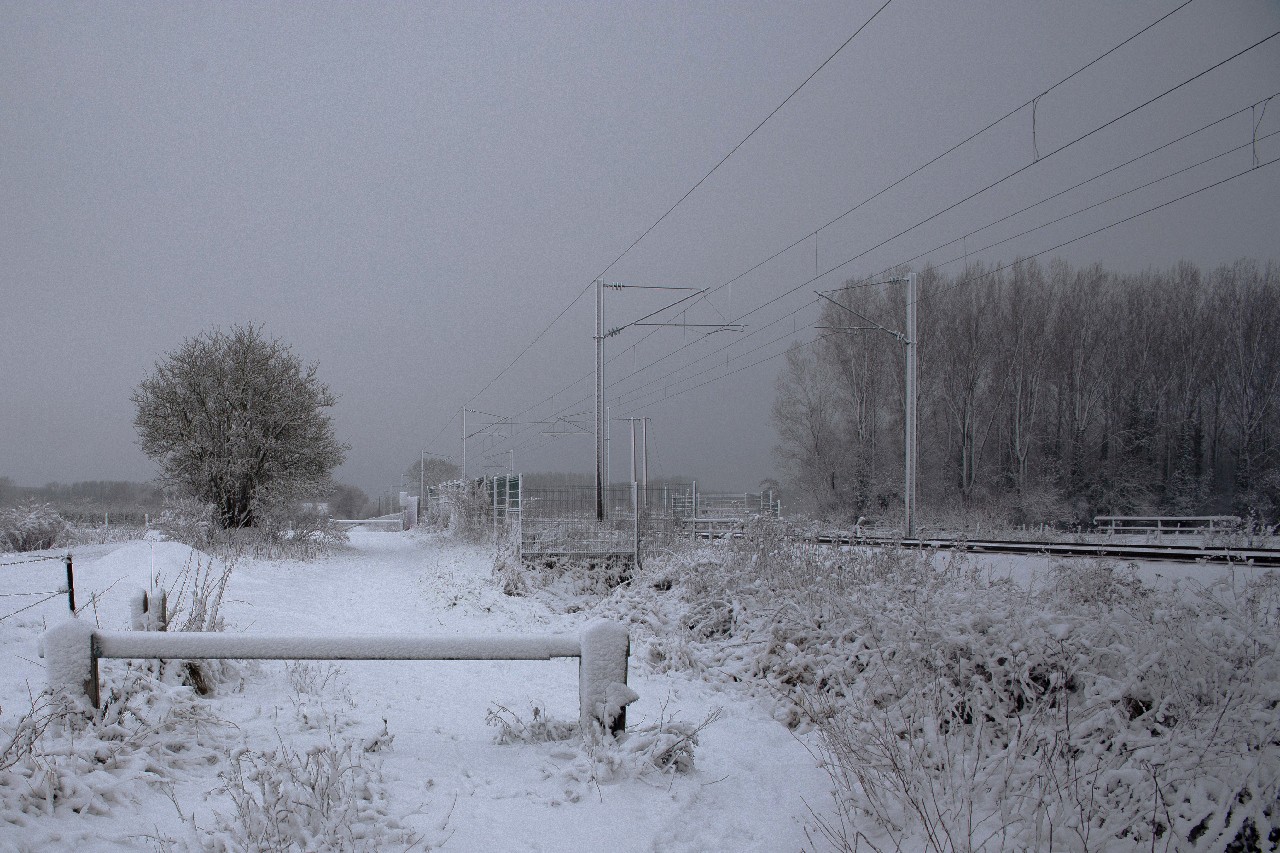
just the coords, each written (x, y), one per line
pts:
(1045, 395)
(93, 497)
(130, 502)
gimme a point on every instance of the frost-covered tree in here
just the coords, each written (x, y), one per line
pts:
(238, 421)
(1047, 395)
(428, 472)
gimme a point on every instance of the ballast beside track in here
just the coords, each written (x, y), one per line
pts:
(1169, 553)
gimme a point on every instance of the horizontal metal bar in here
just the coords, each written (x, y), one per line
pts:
(197, 645)
(1101, 518)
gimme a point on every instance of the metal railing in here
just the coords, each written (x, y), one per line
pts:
(73, 649)
(1166, 523)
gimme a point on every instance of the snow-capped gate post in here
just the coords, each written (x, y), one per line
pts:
(149, 612)
(70, 662)
(603, 693)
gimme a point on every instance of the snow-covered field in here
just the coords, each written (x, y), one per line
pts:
(427, 767)
(960, 702)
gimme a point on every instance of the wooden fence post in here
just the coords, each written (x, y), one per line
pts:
(71, 586)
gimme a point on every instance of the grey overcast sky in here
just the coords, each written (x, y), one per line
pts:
(408, 194)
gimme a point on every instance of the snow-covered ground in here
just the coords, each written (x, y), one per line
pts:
(388, 755)
(441, 780)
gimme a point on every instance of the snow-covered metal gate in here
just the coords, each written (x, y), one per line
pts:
(73, 648)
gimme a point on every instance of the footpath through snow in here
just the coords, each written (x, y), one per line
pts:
(442, 777)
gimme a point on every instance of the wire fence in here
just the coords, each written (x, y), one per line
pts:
(48, 595)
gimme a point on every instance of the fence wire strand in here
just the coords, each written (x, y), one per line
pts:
(60, 558)
(29, 606)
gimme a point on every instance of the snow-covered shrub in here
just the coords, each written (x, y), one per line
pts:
(311, 677)
(572, 578)
(284, 529)
(663, 747)
(189, 521)
(289, 529)
(31, 527)
(1094, 581)
(957, 711)
(982, 718)
(507, 569)
(540, 728)
(195, 604)
(319, 787)
(326, 797)
(666, 746)
(62, 761)
(100, 534)
(463, 509)
(20, 735)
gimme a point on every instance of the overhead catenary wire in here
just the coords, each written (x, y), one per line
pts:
(993, 184)
(984, 275)
(1096, 177)
(1030, 102)
(1110, 199)
(899, 181)
(990, 186)
(624, 402)
(666, 214)
(1107, 227)
(630, 397)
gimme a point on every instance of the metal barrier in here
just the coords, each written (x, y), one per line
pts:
(1166, 523)
(560, 523)
(73, 648)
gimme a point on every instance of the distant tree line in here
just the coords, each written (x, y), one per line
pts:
(129, 501)
(1045, 395)
(118, 498)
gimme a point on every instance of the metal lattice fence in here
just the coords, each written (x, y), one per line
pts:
(566, 524)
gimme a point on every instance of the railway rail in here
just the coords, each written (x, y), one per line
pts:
(1123, 551)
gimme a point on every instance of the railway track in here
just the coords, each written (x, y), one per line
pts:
(1168, 553)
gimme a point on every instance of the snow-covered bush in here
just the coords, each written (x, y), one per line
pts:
(195, 604)
(326, 797)
(540, 728)
(662, 747)
(288, 529)
(20, 735)
(189, 521)
(31, 527)
(101, 534)
(463, 509)
(318, 788)
(311, 677)
(956, 711)
(61, 761)
(980, 718)
(283, 529)
(507, 569)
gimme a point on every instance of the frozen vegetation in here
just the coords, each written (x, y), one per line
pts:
(789, 697)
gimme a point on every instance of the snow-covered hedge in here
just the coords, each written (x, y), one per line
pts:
(954, 711)
(31, 527)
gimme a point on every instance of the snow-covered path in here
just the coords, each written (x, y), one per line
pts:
(446, 777)
(751, 779)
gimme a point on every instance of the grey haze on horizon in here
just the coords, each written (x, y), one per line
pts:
(408, 193)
